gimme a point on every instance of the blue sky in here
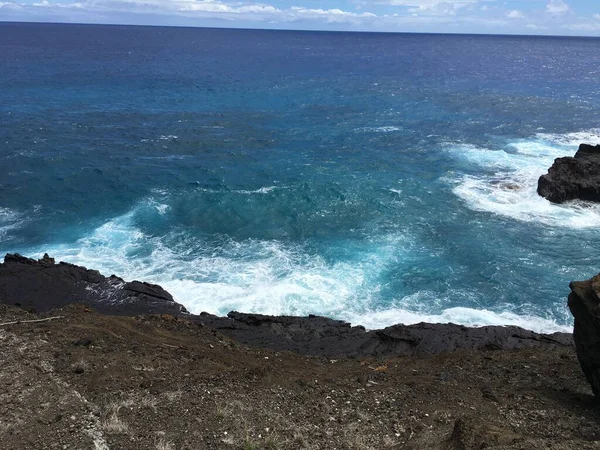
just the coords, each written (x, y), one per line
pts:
(556, 17)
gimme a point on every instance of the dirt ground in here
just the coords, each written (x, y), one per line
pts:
(91, 381)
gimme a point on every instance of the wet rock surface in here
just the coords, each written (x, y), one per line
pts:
(320, 336)
(572, 178)
(42, 285)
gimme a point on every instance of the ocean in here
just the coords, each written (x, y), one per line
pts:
(374, 178)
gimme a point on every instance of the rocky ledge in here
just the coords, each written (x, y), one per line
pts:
(43, 285)
(572, 178)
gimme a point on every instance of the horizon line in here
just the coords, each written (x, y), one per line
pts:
(299, 30)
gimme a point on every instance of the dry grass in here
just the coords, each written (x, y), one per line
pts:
(80, 366)
(148, 402)
(163, 444)
(113, 423)
(171, 396)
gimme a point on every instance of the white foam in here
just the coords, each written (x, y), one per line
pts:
(9, 220)
(262, 190)
(169, 137)
(572, 139)
(252, 276)
(459, 315)
(161, 208)
(7, 215)
(271, 277)
(507, 185)
(384, 129)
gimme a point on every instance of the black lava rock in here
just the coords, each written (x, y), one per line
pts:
(573, 178)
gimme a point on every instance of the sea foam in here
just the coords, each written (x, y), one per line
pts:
(277, 278)
(9, 220)
(458, 315)
(506, 180)
(382, 129)
(253, 275)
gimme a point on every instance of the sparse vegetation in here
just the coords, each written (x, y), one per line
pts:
(80, 366)
(226, 398)
(171, 396)
(113, 424)
(163, 444)
(250, 445)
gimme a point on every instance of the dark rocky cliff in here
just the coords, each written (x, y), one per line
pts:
(584, 302)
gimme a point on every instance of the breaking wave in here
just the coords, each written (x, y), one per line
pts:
(504, 181)
(218, 275)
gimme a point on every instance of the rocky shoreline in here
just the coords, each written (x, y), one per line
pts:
(43, 285)
(74, 378)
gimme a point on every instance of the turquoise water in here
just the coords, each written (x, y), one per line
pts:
(377, 178)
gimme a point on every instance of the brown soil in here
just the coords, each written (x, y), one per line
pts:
(90, 381)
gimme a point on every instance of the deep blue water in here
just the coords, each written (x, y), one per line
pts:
(378, 178)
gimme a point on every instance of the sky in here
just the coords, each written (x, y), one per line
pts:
(549, 17)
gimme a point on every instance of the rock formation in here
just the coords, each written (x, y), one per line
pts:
(573, 178)
(320, 336)
(43, 285)
(584, 303)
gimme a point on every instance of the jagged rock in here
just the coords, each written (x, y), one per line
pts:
(151, 290)
(584, 303)
(43, 285)
(47, 260)
(320, 336)
(573, 178)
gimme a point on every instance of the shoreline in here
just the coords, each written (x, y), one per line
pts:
(43, 285)
(91, 380)
(130, 368)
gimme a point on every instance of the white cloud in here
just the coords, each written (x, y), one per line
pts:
(426, 4)
(329, 12)
(469, 16)
(557, 7)
(515, 14)
(584, 27)
(442, 7)
(10, 5)
(216, 9)
(535, 27)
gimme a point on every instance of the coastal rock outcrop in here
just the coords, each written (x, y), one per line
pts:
(572, 178)
(584, 303)
(42, 285)
(320, 336)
